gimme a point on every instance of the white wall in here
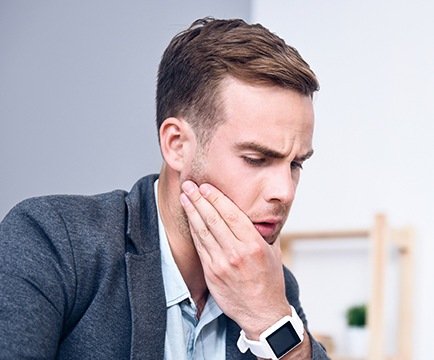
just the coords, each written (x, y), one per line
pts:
(373, 141)
(77, 85)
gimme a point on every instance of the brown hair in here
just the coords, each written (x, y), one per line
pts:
(199, 58)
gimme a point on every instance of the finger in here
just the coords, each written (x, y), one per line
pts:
(219, 227)
(237, 221)
(207, 245)
(205, 219)
(199, 232)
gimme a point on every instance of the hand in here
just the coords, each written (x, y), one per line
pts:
(242, 271)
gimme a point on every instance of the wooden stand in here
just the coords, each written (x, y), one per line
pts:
(382, 237)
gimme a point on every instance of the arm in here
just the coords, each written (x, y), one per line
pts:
(242, 271)
(33, 281)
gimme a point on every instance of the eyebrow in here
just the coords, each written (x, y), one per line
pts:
(266, 151)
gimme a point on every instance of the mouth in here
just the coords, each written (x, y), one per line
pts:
(266, 229)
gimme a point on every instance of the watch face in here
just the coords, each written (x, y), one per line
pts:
(283, 340)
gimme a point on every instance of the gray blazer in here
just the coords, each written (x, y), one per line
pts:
(80, 278)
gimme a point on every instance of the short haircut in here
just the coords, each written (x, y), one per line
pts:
(198, 59)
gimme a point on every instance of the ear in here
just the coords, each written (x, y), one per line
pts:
(176, 141)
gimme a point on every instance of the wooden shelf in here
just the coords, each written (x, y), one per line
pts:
(382, 237)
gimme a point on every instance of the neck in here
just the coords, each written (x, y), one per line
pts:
(179, 237)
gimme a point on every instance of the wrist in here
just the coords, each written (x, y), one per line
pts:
(256, 327)
(277, 340)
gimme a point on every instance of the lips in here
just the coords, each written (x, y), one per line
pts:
(266, 228)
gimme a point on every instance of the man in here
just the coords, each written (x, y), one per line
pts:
(188, 264)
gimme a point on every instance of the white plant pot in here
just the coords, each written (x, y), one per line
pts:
(357, 341)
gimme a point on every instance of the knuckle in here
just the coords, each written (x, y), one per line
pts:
(256, 250)
(231, 217)
(195, 198)
(199, 247)
(203, 232)
(235, 259)
(222, 268)
(213, 219)
(214, 200)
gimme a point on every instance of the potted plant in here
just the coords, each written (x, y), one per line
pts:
(356, 316)
(357, 332)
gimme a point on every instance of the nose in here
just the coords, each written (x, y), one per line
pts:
(281, 186)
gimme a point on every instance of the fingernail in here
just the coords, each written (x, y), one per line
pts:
(205, 189)
(188, 187)
(184, 199)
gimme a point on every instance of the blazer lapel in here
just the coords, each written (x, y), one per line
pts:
(144, 275)
(148, 306)
(232, 334)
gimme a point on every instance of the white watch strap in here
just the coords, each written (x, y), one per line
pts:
(261, 350)
(256, 347)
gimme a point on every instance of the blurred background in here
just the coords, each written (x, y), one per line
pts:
(77, 87)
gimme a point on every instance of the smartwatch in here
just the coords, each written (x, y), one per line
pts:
(278, 340)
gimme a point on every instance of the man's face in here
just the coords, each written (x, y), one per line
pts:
(255, 156)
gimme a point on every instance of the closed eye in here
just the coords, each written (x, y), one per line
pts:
(262, 161)
(254, 161)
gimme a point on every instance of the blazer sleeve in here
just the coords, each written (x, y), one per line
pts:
(36, 280)
(293, 296)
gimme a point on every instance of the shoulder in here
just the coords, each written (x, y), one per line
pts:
(51, 215)
(61, 244)
(38, 206)
(61, 225)
(63, 228)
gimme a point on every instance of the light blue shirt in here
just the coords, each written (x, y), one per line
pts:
(188, 338)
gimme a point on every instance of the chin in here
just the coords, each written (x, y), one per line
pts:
(270, 239)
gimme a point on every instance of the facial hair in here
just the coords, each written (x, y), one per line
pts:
(197, 174)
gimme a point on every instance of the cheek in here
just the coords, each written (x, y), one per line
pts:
(243, 193)
(296, 179)
(232, 179)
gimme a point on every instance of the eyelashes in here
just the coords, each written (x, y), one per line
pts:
(296, 165)
(253, 161)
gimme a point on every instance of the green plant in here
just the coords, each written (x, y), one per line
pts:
(356, 315)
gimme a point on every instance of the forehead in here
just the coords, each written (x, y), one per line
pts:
(267, 114)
